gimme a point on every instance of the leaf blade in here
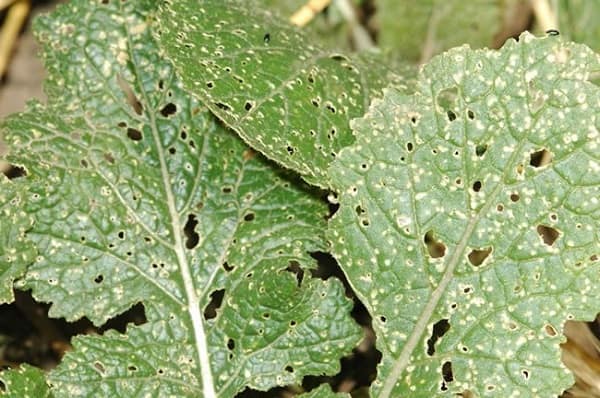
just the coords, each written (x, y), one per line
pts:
(140, 195)
(442, 208)
(282, 94)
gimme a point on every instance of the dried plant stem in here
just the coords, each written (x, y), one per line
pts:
(544, 15)
(15, 18)
(308, 11)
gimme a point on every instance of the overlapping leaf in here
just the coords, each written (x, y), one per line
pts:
(281, 93)
(140, 195)
(469, 219)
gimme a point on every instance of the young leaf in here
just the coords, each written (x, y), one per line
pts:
(469, 219)
(16, 252)
(139, 195)
(282, 94)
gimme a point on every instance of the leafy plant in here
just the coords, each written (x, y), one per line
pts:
(467, 221)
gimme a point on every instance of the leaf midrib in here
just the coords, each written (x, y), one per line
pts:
(193, 304)
(421, 325)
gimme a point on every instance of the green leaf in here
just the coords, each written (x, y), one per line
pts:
(280, 92)
(419, 30)
(578, 21)
(140, 195)
(25, 382)
(16, 252)
(467, 250)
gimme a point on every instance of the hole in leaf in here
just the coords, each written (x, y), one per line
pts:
(480, 150)
(267, 38)
(447, 372)
(109, 157)
(190, 233)
(99, 279)
(435, 248)
(540, 158)
(289, 369)
(500, 208)
(223, 106)
(210, 84)
(440, 328)
(290, 150)
(99, 367)
(216, 299)
(169, 110)
(409, 146)
(477, 186)
(230, 344)
(520, 169)
(478, 256)
(13, 172)
(470, 114)
(248, 105)
(549, 235)
(249, 217)
(132, 99)
(550, 331)
(451, 116)
(525, 374)
(132, 368)
(294, 268)
(228, 267)
(514, 197)
(134, 134)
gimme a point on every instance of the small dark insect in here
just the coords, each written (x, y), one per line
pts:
(552, 32)
(267, 38)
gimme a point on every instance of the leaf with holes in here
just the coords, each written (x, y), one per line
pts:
(139, 195)
(285, 96)
(469, 219)
(16, 252)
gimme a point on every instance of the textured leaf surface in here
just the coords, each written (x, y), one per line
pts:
(25, 382)
(281, 93)
(421, 29)
(16, 252)
(466, 248)
(139, 195)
